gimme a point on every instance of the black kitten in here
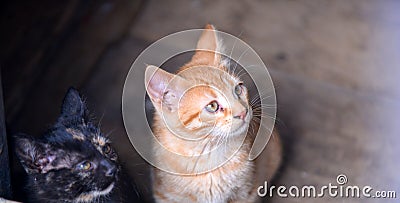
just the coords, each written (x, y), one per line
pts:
(73, 161)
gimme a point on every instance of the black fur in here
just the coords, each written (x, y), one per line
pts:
(73, 159)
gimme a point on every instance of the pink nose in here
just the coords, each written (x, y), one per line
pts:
(241, 115)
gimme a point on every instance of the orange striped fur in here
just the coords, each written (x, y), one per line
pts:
(180, 101)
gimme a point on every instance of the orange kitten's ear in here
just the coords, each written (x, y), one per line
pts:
(208, 39)
(156, 81)
(208, 47)
(163, 87)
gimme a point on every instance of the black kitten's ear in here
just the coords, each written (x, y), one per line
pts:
(73, 104)
(34, 156)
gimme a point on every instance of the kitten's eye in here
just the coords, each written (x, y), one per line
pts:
(86, 165)
(212, 107)
(239, 89)
(106, 149)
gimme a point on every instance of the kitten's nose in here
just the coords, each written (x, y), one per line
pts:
(241, 115)
(111, 171)
(109, 168)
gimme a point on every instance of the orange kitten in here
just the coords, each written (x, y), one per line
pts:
(203, 114)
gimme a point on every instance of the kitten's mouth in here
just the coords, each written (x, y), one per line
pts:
(243, 126)
(106, 191)
(240, 129)
(88, 197)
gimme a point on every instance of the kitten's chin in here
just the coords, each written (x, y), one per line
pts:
(90, 196)
(105, 191)
(240, 130)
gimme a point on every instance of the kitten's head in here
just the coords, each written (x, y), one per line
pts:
(203, 98)
(73, 161)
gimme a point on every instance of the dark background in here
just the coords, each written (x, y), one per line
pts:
(335, 65)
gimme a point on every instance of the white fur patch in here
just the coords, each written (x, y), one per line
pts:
(89, 197)
(76, 134)
(99, 140)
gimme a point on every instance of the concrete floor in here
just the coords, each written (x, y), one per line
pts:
(335, 65)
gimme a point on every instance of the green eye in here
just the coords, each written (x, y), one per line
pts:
(212, 107)
(238, 89)
(85, 166)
